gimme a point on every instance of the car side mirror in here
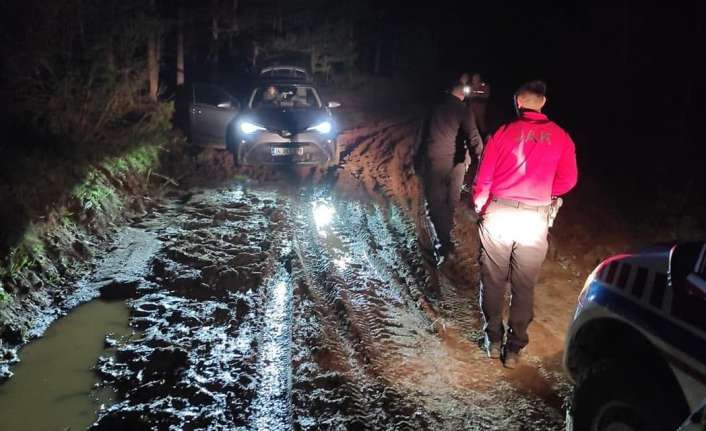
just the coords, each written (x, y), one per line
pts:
(333, 105)
(225, 105)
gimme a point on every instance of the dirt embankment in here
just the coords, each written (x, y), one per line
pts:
(61, 207)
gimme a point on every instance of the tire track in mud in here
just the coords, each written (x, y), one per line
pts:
(261, 315)
(214, 320)
(378, 338)
(272, 406)
(258, 315)
(378, 163)
(466, 388)
(346, 341)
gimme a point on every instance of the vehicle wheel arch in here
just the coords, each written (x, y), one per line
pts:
(609, 339)
(231, 134)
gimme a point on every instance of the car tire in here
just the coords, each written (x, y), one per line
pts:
(236, 162)
(615, 395)
(237, 158)
(231, 144)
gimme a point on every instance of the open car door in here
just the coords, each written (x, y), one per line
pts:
(210, 111)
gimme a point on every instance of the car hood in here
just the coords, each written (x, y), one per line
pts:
(291, 120)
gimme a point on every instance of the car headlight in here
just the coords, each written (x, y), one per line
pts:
(324, 127)
(250, 128)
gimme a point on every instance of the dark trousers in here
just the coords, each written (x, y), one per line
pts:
(479, 108)
(514, 245)
(442, 187)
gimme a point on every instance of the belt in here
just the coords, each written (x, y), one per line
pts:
(518, 204)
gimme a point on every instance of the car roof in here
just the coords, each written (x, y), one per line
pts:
(283, 67)
(281, 81)
(287, 72)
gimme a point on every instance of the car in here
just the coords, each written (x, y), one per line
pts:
(211, 110)
(285, 72)
(636, 348)
(285, 122)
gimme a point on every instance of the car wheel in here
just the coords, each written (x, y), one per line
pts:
(235, 158)
(613, 396)
(231, 145)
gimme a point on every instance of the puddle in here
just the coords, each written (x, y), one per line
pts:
(52, 385)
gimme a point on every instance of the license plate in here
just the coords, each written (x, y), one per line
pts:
(287, 151)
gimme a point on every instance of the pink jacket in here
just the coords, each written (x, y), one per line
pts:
(529, 160)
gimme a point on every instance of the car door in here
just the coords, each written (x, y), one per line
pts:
(210, 111)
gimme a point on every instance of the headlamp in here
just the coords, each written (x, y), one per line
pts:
(324, 127)
(250, 128)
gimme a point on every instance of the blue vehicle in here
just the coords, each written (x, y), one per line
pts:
(636, 348)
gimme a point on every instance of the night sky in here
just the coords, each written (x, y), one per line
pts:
(625, 78)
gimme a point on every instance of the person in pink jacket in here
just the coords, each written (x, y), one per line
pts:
(526, 164)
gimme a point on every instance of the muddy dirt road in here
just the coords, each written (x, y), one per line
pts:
(273, 305)
(267, 307)
(264, 301)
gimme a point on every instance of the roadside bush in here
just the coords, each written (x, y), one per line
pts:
(87, 74)
(82, 137)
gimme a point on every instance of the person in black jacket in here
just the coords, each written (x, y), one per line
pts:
(451, 133)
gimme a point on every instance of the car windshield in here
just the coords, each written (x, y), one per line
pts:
(285, 96)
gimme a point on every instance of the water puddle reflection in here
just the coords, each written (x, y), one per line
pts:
(53, 385)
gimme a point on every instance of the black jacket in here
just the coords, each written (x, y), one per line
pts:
(450, 131)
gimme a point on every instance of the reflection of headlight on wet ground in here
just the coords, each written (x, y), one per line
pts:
(342, 262)
(323, 214)
(280, 292)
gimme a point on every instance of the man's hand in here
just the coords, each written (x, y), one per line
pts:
(479, 205)
(557, 202)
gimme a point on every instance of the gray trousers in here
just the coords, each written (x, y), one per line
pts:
(442, 187)
(514, 245)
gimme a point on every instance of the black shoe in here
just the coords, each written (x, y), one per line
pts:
(511, 359)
